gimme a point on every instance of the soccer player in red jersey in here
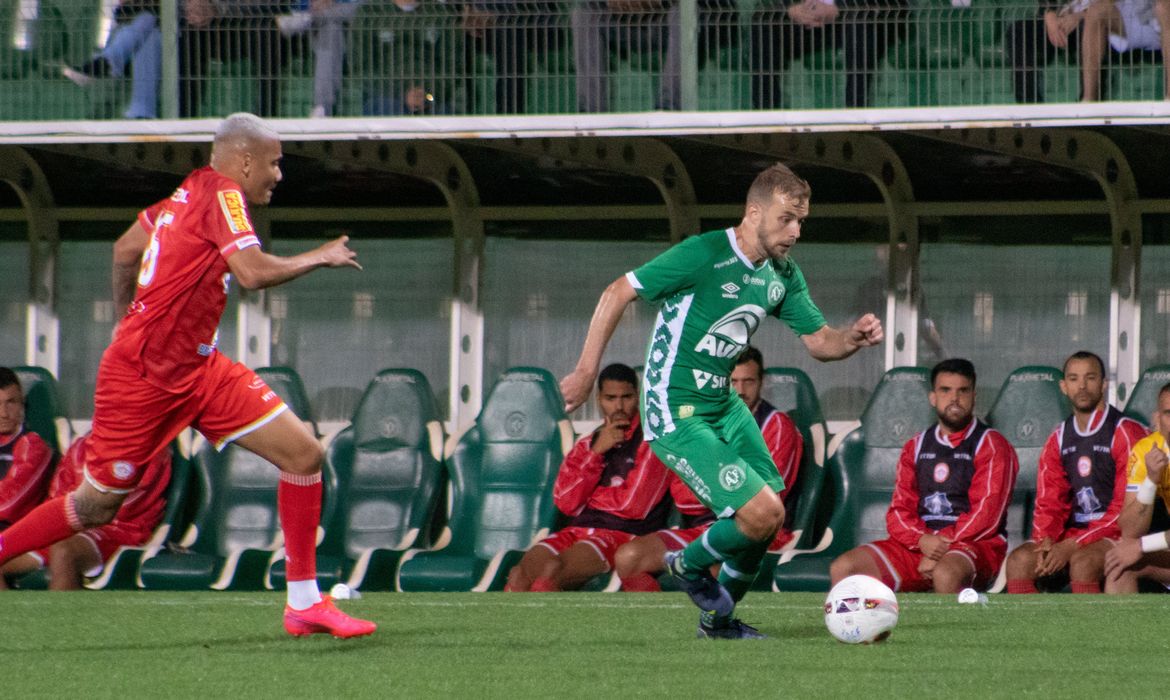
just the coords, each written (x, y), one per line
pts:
(162, 372)
(947, 519)
(86, 553)
(611, 486)
(640, 561)
(26, 461)
(1080, 488)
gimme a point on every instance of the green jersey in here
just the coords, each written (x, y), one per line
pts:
(711, 300)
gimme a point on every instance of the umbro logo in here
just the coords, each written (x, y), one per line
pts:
(730, 290)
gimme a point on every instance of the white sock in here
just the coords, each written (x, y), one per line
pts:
(303, 594)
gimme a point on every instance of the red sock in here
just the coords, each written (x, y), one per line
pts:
(544, 584)
(641, 583)
(51, 521)
(1021, 586)
(1086, 586)
(298, 497)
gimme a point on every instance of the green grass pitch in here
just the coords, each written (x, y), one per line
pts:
(573, 645)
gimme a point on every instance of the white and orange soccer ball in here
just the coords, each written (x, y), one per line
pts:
(861, 610)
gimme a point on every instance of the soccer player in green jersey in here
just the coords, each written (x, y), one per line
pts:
(713, 290)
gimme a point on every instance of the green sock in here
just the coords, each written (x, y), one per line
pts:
(739, 573)
(721, 542)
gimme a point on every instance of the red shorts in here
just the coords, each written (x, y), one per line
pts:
(604, 542)
(899, 565)
(105, 540)
(134, 419)
(677, 539)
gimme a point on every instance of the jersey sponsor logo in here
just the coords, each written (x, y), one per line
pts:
(730, 290)
(732, 477)
(234, 211)
(725, 263)
(941, 471)
(1089, 504)
(1084, 466)
(729, 335)
(123, 470)
(180, 196)
(937, 504)
(705, 379)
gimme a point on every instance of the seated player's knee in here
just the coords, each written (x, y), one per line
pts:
(842, 567)
(1086, 565)
(1021, 563)
(94, 509)
(951, 575)
(627, 558)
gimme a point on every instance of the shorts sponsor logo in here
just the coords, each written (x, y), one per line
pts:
(257, 384)
(941, 471)
(705, 379)
(732, 477)
(1084, 466)
(123, 470)
(688, 474)
(235, 213)
(268, 395)
(729, 335)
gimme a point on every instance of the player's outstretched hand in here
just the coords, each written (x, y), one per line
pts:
(867, 331)
(575, 387)
(1124, 554)
(337, 254)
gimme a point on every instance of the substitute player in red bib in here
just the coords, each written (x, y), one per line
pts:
(86, 553)
(1080, 488)
(611, 486)
(947, 517)
(162, 372)
(640, 561)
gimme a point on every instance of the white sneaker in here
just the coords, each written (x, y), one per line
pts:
(77, 77)
(317, 112)
(294, 23)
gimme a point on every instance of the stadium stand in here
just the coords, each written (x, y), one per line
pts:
(861, 476)
(502, 472)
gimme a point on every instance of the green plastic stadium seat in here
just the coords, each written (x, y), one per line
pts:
(1143, 400)
(502, 472)
(44, 413)
(389, 467)
(1026, 410)
(288, 386)
(861, 476)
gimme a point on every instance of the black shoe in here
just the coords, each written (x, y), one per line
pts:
(729, 629)
(705, 591)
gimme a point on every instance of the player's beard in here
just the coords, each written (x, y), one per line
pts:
(954, 424)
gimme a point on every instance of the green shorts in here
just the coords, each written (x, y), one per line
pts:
(723, 459)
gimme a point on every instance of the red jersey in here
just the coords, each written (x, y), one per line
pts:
(1087, 470)
(143, 508)
(986, 498)
(26, 466)
(169, 330)
(786, 447)
(622, 489)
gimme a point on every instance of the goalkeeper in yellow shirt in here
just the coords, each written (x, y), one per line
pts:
(1144, 550)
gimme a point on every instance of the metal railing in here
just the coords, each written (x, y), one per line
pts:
(202, 58)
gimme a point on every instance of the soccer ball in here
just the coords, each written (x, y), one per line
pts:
(861, 610)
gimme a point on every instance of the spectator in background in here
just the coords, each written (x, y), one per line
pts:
(1124, 25)
(781, 35)
(947, 518)
(85, 554)
(509, 31)
(408, 55)
(640, 561)
(135, 41)
(230, 31)
(26, 461)
(610, 485)
(1080, 488)
(1144, 551)
(1032, 43)
(329, 21)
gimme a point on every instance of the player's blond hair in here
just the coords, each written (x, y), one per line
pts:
(778, 179)
(241, 130)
